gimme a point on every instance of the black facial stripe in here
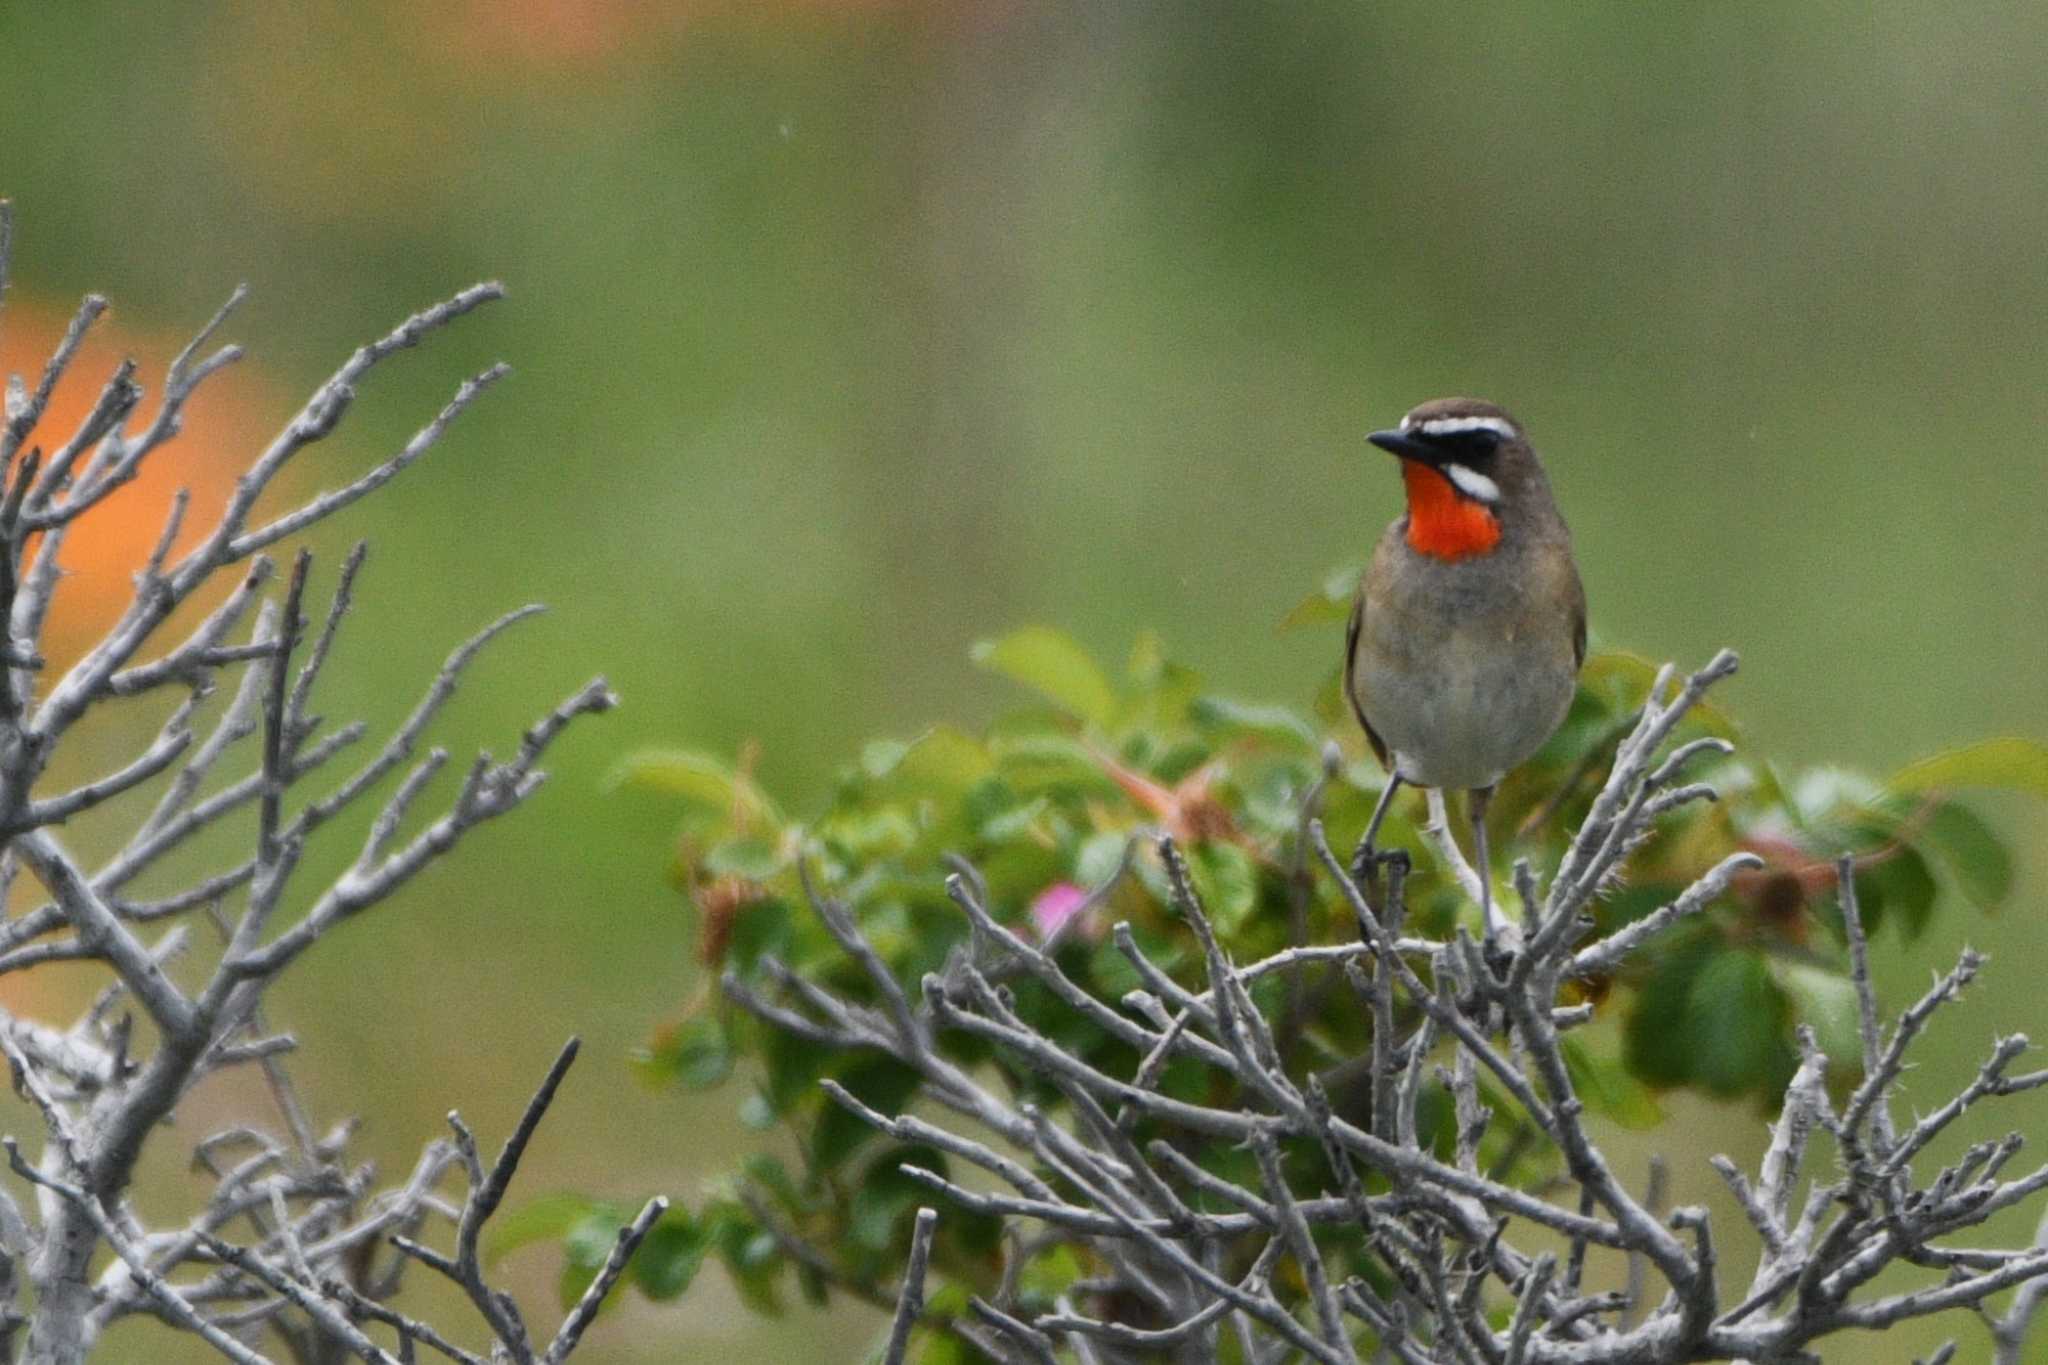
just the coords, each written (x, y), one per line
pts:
(1469, 447)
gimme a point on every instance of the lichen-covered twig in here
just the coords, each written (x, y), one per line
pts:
(317, 1270)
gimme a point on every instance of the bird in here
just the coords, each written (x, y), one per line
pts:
(1469, 626)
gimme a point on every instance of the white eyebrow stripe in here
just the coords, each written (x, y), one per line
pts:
(1472, 483)
(1452, 426)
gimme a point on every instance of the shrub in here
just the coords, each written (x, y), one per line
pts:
(1015, 955)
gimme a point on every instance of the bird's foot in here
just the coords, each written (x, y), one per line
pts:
(1369, 860)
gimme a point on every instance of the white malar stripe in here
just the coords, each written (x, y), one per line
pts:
(1452, 426)
(1472, 483)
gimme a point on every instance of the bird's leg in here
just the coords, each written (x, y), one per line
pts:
(1498, 936)
(1368, 857)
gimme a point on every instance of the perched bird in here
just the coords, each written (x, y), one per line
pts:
(1470, 624)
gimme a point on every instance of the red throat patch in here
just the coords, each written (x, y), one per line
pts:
(1443, 522)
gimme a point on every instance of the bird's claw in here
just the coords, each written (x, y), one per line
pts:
(1369, 860)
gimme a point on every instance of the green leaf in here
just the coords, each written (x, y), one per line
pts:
(1099, 858)
(670, 1257)
(1607, 1088)
(750, 1255)
(759, 929)
(1052, 1272)
(976, 1236)
(1271, 795)
(1266, 722)
(756, 1113)
(1330, 705)
(937, 1349)
(1897, 884)
(1112, 972)
(752, 857)
(1017, 823)
(1622, 680)
(1036, 763)
(1656, 1047)
(884, 1085)
(547, 1219)
(1824, 793)
(585, 1248)
(1053, 664)
(1329, 602)
(811, 1281)
(1227, 882)
(794, 1065)
(1826, 1002)
(2007, 764)
(1175, 763)
(886, 1194)
(942, 763)
(700, 780)
(702, 1053)
(1734, 1022)
(767, 1171)
(695, 1054)
(864, 834)
(880, 756)
(1148, 661)
(1972, 852)
(1164, 689)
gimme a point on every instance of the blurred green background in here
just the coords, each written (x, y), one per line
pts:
(846, 331)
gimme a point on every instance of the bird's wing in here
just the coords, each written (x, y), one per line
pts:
(1578, 604)
(1351, 633)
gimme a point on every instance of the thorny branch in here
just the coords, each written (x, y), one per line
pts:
(315, 1275)
(1355, 1240)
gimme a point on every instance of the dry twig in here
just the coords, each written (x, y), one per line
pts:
(318, 1275)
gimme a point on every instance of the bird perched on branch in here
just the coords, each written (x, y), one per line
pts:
(1470, 624)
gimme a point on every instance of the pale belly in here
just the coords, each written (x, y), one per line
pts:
(1463, 709)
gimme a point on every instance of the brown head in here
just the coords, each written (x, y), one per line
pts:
(1470, 473)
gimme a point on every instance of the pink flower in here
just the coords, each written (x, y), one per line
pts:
(1056, 905)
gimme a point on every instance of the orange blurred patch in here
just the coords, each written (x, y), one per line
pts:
(571, 33)
(223, 424)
